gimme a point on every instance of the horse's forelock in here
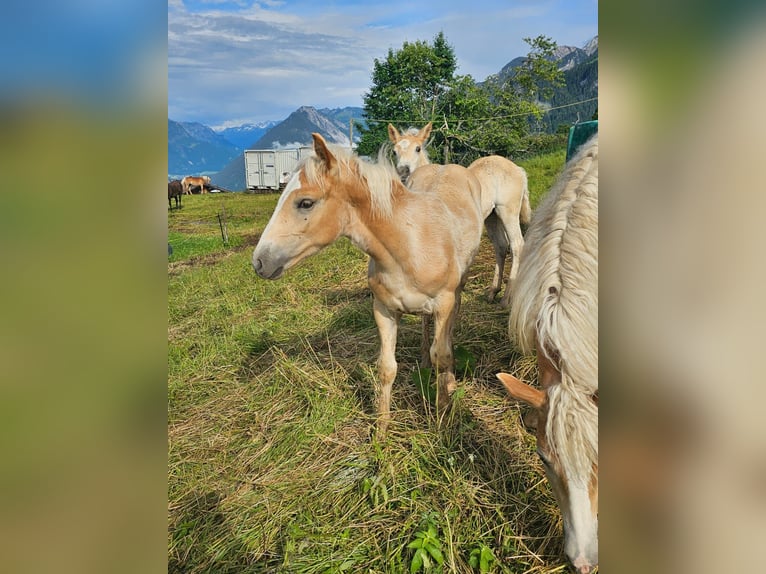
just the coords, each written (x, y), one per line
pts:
(379, 176)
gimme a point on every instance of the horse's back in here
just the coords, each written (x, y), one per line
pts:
(555, 297)
(456, 186)
(174, 188)
(502, 181)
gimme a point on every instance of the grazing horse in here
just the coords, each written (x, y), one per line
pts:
(504, 199)
(421, 243)
(189, 181)
(555, 311)
(175, 190)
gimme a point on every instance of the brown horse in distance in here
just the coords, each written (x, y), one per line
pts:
(175, 191)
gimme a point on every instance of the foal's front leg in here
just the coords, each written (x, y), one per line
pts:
(388, 324)
(425, 343)
(441, 349)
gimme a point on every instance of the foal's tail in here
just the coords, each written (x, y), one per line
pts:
(526, 210)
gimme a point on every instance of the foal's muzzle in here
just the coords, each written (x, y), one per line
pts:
(264, 269)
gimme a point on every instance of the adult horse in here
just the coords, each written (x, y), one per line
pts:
(504, 199)
(190, 181)
(421, 243)
(555, 311)
(175, 190)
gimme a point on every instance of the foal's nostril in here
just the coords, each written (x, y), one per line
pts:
(258, 265)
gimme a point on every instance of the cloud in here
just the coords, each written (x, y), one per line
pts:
(263, 61)
(259, 60)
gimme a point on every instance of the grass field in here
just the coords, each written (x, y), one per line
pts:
(272, 465)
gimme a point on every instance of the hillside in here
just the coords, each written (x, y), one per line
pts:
(294, 131)
(580, 69)
(194, 149)
(341, 117)
(581, 84)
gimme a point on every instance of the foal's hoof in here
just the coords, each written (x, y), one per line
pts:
(379, 433)
(444, 400)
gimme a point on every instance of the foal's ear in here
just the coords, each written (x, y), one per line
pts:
(323, 152)
(393, 133)
(426, 131)
(522, 391)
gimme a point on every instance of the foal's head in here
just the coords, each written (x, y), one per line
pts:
(574, 483)
(410, 148)
(306, 217)
(328, 190)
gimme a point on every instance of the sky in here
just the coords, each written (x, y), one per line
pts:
(238, 61)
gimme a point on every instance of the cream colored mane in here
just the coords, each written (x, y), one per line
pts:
(381, 176)
(555, 304)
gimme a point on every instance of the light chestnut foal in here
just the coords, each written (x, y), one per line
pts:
(555, 312)
(504, 199)
(421, 242)
(190, 181)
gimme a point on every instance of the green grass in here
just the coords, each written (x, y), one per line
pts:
(271, 386)
(541, 173)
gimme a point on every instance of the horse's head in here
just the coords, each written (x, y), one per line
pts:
(576, 491)
(410, 149)
(306, 218)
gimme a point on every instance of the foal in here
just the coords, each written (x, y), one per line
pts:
(504, 199)
(421, 243)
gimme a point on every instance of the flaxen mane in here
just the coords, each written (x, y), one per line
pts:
(380, 176)
(555, 304)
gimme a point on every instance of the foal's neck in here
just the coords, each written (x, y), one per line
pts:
(376, 235)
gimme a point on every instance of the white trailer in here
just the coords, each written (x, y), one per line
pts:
(268, 169)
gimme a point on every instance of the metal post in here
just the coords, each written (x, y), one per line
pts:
(224, 226)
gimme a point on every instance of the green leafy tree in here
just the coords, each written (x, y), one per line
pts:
(406, 87)
(516, 101)
(417, 84)
(536, 78)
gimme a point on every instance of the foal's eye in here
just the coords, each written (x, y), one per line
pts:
(417, 149)
(305, 204)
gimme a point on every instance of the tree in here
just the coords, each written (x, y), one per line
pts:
(416, 84)
(406, 87)
(536, 77)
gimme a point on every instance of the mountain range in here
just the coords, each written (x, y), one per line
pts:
(194, 148)
(294, 131)
(197, 149)
(243, 136)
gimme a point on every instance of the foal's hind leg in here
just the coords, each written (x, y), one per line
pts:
(512, 228)
(497, 236)
(388, 324)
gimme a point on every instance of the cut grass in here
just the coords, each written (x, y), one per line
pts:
(273, 464)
